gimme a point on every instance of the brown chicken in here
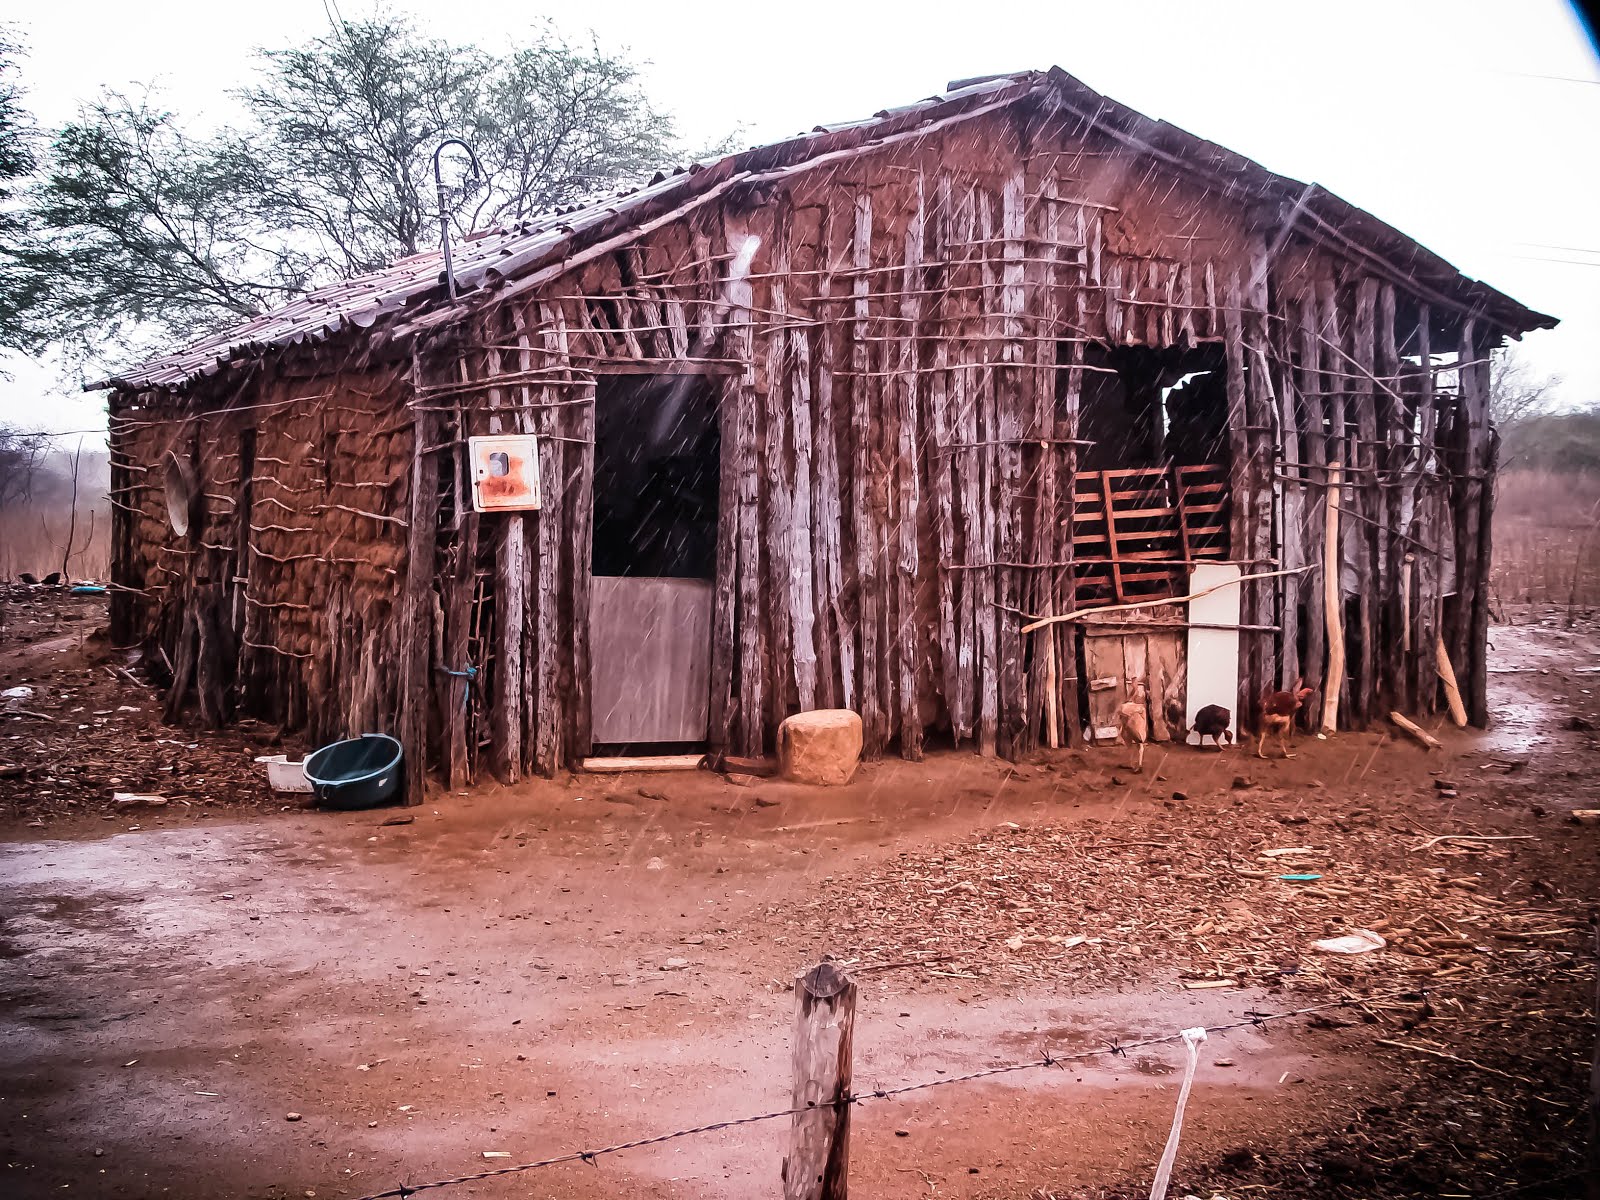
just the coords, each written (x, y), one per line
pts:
(1277, 716)
(1133, 722)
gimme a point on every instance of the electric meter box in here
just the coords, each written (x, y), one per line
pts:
(505, 472)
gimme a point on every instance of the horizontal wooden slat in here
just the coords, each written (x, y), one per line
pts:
(1125, 473)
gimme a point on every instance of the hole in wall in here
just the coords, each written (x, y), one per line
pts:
(1147, 406)
(179, 489)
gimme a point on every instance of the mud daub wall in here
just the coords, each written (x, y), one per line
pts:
(291, 565)
(900, 372)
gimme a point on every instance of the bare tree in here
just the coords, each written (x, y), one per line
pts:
(143, 231)
(70, 547)
(1517, 393)
(72, 521)
(22, 454)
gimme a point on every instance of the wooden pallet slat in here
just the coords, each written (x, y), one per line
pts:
(1175, 515)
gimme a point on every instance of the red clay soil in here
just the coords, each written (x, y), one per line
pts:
(564, 965)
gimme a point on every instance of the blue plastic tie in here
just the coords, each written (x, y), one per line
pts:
(469, 675)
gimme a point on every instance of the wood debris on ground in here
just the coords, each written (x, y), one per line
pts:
(1081, 907)
(93, 731)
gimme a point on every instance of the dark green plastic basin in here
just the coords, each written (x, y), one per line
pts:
(361, 772)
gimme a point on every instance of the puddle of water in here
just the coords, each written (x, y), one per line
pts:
(1519, 726)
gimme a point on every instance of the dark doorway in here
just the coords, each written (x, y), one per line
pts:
(656, 471)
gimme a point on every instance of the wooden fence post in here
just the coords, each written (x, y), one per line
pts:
(1594, 1096)
(817, 1166)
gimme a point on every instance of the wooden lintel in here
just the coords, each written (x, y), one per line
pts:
(1123, 628)
(668, 366)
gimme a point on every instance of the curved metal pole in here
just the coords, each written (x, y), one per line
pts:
(444, 217)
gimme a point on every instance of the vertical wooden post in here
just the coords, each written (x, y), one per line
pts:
(1044, 684)
(1333, 607)
(837, 662)
(719, 735)
(783, 663)
(803, 607)
(416, 637)
(1241, 481)
(459, 595)
(861, 482)
(1477, 664)
(1290, 496)
(549, 726)
(1367, 501)
(983, 428)
(817, 1166)
(580, 426)
(1471, 437)
(1260, 653)
(527, 624)
(1394, 431)
(1012, 400)
(740, 344)
(940, 460)
(511, 571)
(908, 639)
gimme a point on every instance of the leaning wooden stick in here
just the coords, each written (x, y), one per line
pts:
(1452, 693)
(1332, 600)
(1079, 614)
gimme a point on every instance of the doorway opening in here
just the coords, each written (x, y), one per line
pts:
(1149, 508)
(657, 468)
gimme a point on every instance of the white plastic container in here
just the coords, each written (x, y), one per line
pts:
(283, 775)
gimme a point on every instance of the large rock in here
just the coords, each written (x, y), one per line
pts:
(823, 746)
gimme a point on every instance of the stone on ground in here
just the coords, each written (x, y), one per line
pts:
(823, 746)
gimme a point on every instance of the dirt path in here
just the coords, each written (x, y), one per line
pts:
(560, 966)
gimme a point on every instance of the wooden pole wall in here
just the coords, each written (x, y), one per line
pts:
(902, 445)
(902, 371)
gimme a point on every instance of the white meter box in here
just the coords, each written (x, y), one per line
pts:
(505, 472)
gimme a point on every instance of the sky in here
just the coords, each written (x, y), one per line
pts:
(1467, 124)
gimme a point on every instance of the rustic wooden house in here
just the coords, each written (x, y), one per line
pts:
(832, 423)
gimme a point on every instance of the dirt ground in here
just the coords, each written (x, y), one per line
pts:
(559, 966)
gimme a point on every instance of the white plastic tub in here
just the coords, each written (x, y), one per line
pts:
(283, 775)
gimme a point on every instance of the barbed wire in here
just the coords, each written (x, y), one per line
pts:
(587, 1156)
(1047, 1059)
